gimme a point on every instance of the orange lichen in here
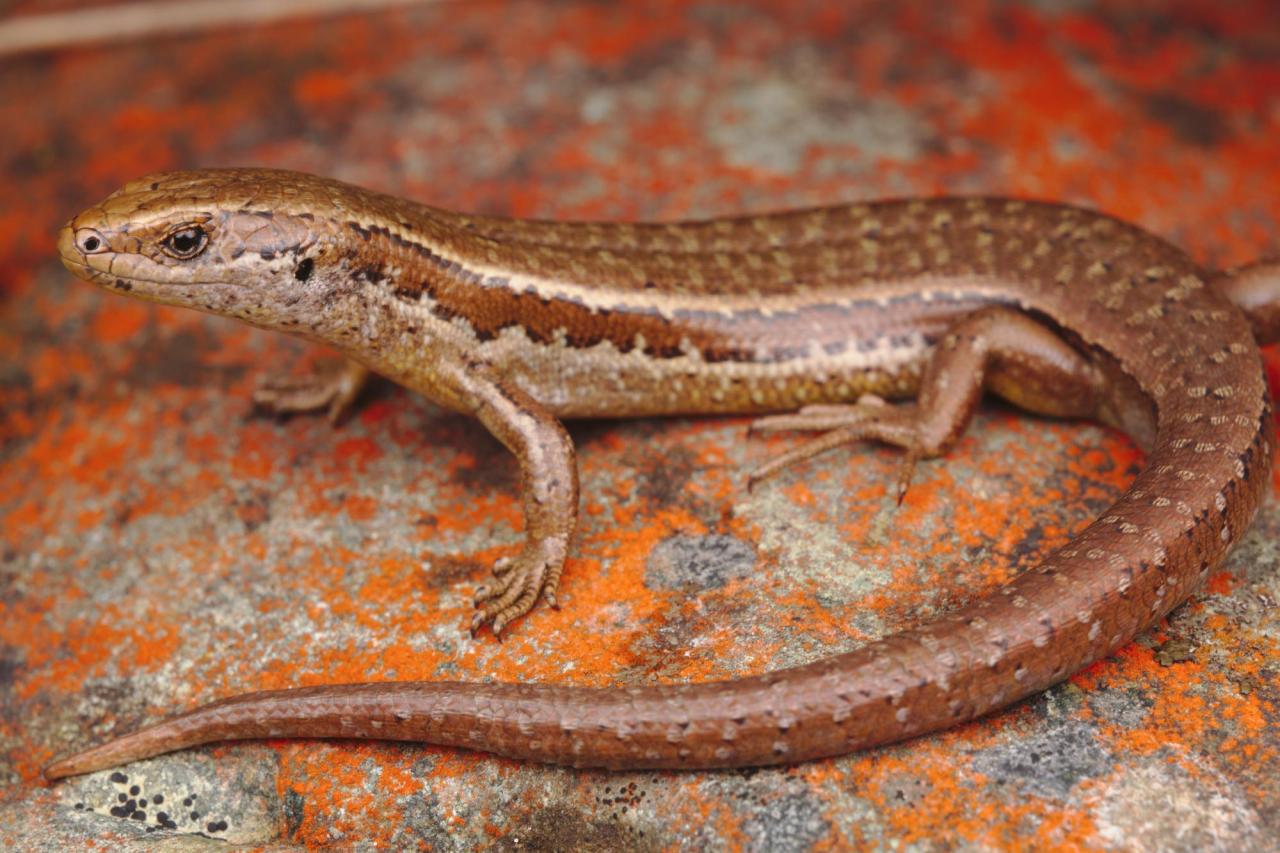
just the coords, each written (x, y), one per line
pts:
(106, 456)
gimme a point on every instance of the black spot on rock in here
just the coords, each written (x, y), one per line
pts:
(1048, 764)
(8, 667)
(710, 561)
(559, 828)
(1190, 122)
(294, 804)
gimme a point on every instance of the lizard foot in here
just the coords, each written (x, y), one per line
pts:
(517, 583)
(869, 419)
(332, 386)
(822, 417)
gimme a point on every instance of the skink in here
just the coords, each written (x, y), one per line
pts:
(823, 313)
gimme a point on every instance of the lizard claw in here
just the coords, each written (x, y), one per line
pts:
(907, 472)
(518, 582)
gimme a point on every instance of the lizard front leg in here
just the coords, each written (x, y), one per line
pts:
(331, 386)
(548, 469)
(548, 490)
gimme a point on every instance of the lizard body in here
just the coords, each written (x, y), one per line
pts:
(1063, 311)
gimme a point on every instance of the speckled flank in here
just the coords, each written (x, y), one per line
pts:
(1061, 310)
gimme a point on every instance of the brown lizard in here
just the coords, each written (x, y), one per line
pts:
(823, 313)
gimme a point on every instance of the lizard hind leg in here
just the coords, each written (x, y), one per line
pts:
(891, 424)
(997, 349)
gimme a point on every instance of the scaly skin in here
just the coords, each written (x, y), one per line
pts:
(1061, 310)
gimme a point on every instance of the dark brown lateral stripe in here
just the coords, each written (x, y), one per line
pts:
(718, 337)
(489, 305)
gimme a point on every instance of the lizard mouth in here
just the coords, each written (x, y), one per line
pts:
(124, 282)
(89, 273)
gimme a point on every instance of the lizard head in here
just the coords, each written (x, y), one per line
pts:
(238, 242)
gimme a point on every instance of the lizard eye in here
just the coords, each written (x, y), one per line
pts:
(185, 242)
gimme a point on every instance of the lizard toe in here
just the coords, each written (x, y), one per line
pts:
(515, 591)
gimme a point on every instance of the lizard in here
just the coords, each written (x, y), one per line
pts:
(883, 321)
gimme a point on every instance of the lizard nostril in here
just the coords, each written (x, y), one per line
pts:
(90, 241)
